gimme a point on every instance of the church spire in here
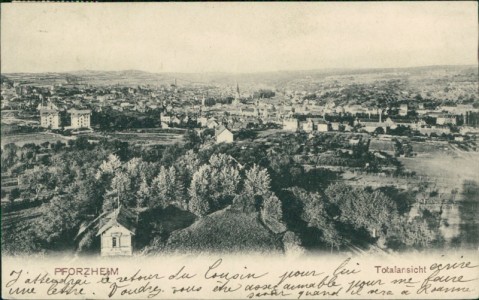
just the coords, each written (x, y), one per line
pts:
(237, 91)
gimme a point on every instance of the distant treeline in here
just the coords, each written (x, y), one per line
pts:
(110, 119)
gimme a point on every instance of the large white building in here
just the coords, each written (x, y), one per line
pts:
(290, 124)
(49, 116)
(80, 118)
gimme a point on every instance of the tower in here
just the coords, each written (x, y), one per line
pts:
(237, 95)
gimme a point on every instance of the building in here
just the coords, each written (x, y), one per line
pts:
(116, 231)
(323, 126)
(290, 124)
(175, 120)
(80, 118)
(49, 116)
(212, 123)
(437, 130)
(446, 119)
(249, 112)
(164, 118)
(203, 121)
(308, 126)
(223, 135)
(403, 110)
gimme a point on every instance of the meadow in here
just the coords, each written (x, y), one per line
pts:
(36, 138)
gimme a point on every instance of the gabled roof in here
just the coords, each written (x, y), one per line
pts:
(220, 130)
(120, 216)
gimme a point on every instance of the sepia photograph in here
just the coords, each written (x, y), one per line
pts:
(138, 131)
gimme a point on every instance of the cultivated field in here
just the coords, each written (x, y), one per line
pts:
(36, 138)
(380, 145)
(145, 136)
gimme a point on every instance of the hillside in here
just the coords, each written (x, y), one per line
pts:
(225, 231)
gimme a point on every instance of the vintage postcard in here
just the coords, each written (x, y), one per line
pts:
(250, 150)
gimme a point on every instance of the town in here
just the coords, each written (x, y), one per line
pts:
(304, 135)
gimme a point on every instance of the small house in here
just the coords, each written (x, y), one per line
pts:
(308, 126)
(323, 126)
(116, 230)
(212, 124)
(223, 135)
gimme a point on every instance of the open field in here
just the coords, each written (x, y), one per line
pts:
(432, 148)
(148, 136)
(452, 169)
(20, 218)
(36, 138)
(380, 145)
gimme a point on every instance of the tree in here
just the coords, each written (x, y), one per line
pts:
(192, 139)
(109, 166)
(143, 194)
(257, 182)
(81, 143)
(214, 185)
(36, 180)
(9, 156)
(223, 180)
(140, 172)
(167, 188)
(120, 192)
(379, 130)
(403, 233)
(15, 194)
(199, 192)
(186, 166)
(271, 208)
(314, 213)
(169, 155)
(59, 216)
(272, 214)
(360, 207)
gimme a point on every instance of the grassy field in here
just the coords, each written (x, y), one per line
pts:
(36, 138)
(431, 148)
(449, 169)
(225, 231)
(21, 218)
(380, 145)
(144, 136)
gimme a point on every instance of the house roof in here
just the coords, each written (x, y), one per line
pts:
(120, 216)
(220, 130)
(79, 111)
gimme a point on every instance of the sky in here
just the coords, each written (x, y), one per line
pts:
(236, 37)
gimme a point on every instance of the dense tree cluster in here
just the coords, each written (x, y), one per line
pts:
(80, 182)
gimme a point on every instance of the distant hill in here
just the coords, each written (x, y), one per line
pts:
(137, 77)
